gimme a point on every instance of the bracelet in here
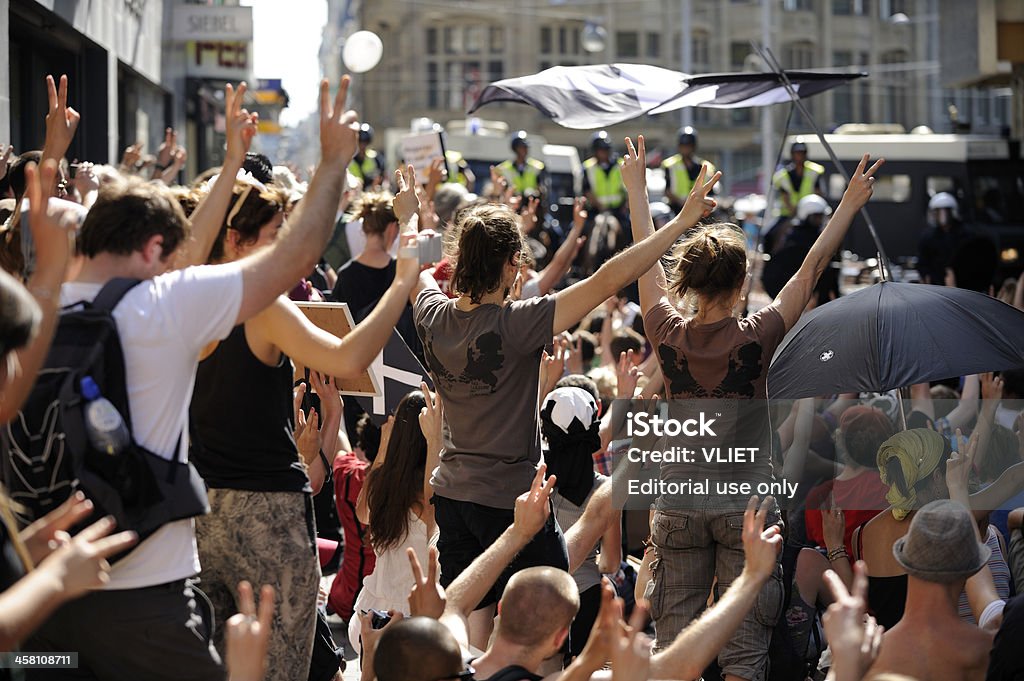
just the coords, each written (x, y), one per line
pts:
(836, 554)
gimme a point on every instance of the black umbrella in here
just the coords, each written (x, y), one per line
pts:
(892, 335)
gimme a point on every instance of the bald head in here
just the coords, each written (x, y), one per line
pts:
(537, 603)
(417, 649)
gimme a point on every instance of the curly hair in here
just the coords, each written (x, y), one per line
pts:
(488, 238)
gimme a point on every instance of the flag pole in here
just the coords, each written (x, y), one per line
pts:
(884, 268)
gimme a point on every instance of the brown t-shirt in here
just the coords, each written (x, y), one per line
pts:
(719, 368)
(726, 359)
(485, 364)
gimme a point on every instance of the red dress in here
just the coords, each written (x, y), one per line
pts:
(861, 498)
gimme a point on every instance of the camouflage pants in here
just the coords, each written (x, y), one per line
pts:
(265, 538)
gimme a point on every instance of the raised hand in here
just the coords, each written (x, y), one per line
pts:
(437, 171)
(761, 546)
(308, 438)
(853, 635)
(634, 166)
(431, 419)
(862, 183)
(833, 525)
(532, 508)
(130, 158)
(51, 230)
(959, 466)
(516, 291)
(166, 149)
(339, 129)
(991, 389)
(631, 651)
(248, 635)
(528, 218)
(61, 120)
(698, 206)
(427, 597)
(627, 376)
(240, 125)
(85, 180)
(41, 537)
(407, 200)
(79, 563)
(553, 366)
(579, 213)
(330, 398)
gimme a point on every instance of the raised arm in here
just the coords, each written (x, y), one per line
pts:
(795, 295)
(274, 270)
(208, 217)
(290, 330)
(697, 645)
(431, 420)
(573, 303)
(53, 250)
(652, 283)
(566, 253)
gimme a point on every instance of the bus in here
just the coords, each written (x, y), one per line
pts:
(984, 173)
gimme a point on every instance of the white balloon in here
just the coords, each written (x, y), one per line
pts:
(363, 50)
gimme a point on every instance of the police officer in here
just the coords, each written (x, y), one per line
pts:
(811, 213)
(943, 238)
(682, 169)
(602, 178)
(458, 169)
(523, 173)
(367, 164)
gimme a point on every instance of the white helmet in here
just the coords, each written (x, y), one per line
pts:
(943, 200)
(812, 204)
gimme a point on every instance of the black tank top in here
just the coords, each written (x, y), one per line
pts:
(242, 421)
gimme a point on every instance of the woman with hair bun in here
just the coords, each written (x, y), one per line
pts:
(708, 352)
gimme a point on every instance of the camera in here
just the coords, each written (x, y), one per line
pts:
(428, 247)
(378, 618)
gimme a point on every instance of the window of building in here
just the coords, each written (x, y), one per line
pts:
(858, 8)
(627, 44)
(701, 53)
(474, 39)
(738, 54)
(653, 46)
(886, 8)
(563, 40)
(456, 67)
(545, 40)
(497, 39)
(895, 101)
(798, 5)
(798, 55)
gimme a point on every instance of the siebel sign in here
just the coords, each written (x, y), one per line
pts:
(212, 23)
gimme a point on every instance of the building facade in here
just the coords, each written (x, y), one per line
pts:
(439, 55)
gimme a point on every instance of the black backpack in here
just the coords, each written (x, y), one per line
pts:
(47, 455)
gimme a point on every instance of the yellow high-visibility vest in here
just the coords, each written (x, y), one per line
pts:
(368, 170)
(454, 160)
(606, 184)
(528, 179)
(679, 176)
(782, 183)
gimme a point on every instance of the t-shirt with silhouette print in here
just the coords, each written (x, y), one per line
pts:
(485, 365)
(721, 368)
(692, 355)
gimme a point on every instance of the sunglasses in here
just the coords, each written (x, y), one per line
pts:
(465, 675)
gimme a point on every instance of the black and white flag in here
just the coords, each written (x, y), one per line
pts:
(585, 97)
(398, 372)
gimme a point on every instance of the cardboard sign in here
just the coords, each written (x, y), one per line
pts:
(420, 149)
(336, 319)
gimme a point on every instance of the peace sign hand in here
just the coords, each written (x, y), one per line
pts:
(240, 125)
(61, 120)
(339, 129)
(862, 184)
(698, 206)
(634, 166)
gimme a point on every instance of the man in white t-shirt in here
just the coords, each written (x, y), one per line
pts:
(145, 623)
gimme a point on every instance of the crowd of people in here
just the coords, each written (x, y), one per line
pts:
(163, 465)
